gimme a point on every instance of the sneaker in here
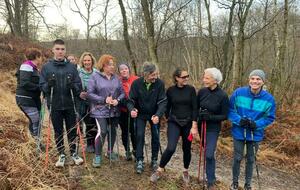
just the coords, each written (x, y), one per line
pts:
(155, 176)
(139, 167)
(186, 177)
(211, 187)
(77, 160)
(61, 161)
(154, 164)
(234, 186)
(90, 149)
(114, 156)
(128, 156)
(247, 187)
(97, 161)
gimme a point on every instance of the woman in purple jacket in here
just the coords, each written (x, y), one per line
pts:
(105, 92)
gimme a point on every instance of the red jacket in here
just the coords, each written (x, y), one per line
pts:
(126, 83)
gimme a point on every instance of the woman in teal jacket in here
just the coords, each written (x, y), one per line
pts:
(252, 109)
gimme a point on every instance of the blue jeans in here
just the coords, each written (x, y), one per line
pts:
(238, 156)
(211, 144)
(140, 126)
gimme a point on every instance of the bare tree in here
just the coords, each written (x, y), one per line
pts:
(90, 7)
(126, 36)
(276, 77)
(17, 16)
(238, 61)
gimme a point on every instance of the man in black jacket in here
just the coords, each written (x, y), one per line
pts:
(61, 84)
(147, 102)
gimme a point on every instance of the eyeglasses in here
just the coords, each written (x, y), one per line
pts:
(60, 49)
(185, 77)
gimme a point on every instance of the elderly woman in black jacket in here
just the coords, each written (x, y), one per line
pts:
(213, 105)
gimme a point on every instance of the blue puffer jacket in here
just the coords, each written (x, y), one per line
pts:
(260, 108)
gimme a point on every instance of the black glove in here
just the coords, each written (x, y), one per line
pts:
(51, 80)
(252, 125)
(244, 122)
(70, 83)
(204, 115)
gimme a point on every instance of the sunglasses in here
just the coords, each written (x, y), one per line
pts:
(185, 77)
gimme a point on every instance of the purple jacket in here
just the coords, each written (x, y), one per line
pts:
(99, 87)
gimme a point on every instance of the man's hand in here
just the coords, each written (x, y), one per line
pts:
(244, 122)
(83, 95)
(155, 119)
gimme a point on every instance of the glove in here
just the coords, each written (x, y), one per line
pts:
(204, 115)
(51, 80)
(252, 125)
(70, 83)
(244, 122)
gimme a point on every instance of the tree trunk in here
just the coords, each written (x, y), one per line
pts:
(126, 36)
(279, 68)
(152, 47)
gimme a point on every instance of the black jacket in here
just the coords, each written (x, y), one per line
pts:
(147, 102)
(217, 104)
(62, 98)
(28, 91)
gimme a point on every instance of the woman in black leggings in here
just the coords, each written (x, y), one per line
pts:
(182, 121)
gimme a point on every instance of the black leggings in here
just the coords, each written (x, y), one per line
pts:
(174, 132)
(123, 122)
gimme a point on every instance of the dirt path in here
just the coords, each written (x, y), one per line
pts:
(122, 174)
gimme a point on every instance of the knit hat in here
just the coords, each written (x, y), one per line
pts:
(123, 64)
(260, 73)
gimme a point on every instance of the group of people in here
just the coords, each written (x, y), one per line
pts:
(104, 99)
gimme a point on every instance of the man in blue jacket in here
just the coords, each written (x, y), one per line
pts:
(61, 84)
(252, 109)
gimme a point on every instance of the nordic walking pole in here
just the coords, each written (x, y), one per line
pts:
(204, 155)
(157, 131)
(128, 143)
(41, 120)
(109, 128)
(49, 130)
(78, 130)
(200, 152)
(145, 147)
(255, 160)
(117, 139)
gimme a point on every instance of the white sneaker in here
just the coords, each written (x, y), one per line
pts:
(77, 160)
(61, 161)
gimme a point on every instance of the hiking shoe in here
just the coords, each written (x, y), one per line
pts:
(186, 177)
(139, 167)
(114, 156)
(154, 164)
(61, 161)
(211, 187)
(247, 187)
(128, 156)
(77, 160)
(155, 176)
(97, 161)
(90, 149)
(234, 186)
